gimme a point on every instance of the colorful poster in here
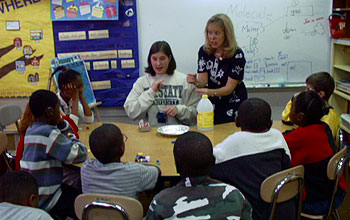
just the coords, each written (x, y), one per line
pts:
(26, 47)
(74, 10)
(109, 50)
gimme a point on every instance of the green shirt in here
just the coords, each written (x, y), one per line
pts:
(200, 198)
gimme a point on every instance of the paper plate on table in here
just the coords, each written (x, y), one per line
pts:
(173, 129)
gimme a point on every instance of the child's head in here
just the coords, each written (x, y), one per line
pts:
(161, 51)
(20, 188)
(254, 114)
(69, 76)
(322, 83)
(307, 108)
(44, 105)
(223, 24)
(193, 153)
(107, 143)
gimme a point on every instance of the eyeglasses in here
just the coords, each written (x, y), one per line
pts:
(125, 138)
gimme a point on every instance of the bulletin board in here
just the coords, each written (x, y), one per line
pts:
(26, 47)
(109, 49)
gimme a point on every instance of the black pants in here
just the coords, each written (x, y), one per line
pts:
(65, 205)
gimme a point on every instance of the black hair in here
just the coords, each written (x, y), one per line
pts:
(106, 143)
(164, 47)
(67, 76)
(17, 186)
(193, 153)
(40, 100)
(254, 114)
(322, 81)
(312, 105)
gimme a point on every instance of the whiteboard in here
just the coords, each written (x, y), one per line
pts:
(283, 41)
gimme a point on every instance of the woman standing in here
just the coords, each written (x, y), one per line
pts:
(162, 96)
(221, 69)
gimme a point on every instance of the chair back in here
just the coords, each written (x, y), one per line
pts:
(333, 163)
(334, 170)
(10, 114)
(3, 142)
(103, 206)
(283, 186)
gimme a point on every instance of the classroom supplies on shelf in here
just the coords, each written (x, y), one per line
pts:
(343, 85)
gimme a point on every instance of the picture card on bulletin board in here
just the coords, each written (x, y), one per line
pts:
(77, 64)
(75, 10)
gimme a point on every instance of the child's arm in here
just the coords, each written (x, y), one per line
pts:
(84, 110)
(286, 113)
(139, 100)
(187, 111)
(65, 147)
(149, 175)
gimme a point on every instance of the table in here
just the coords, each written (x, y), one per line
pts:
(160, 147)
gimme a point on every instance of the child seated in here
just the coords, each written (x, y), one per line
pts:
(246, 158)
(312, 145)
(197, 196)
(107, 174)
(19, 197)
(71, 92)
(48, 144)
(323, 84)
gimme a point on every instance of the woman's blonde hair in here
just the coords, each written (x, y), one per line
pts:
(230, 43)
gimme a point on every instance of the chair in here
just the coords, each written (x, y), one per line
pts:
(10, 114)
(334, 170)
(103, 206)
(283, 186)
(4, 158)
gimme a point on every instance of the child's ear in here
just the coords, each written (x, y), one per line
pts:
(49, 112)
(237, 122)
(270, 124)
(322, 94)
(300, 118)
(33, 201)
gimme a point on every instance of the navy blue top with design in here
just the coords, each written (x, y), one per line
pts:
(218, 72)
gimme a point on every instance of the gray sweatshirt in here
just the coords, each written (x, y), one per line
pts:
(144, 103)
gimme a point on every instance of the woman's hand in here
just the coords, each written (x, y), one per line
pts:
(202, 91)
(191, 78)
(171, 111)
(156, 85)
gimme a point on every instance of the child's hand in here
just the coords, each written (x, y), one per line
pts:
(156, 85)
(171, 111)
(71, 91)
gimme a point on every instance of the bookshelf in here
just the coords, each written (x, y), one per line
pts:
(340, 70)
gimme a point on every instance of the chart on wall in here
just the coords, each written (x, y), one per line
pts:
(109, 49)
(26, 47)
(64, 10)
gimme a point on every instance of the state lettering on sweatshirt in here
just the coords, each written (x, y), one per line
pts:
(170, 91)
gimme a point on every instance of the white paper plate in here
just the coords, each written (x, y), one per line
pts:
(173, 129)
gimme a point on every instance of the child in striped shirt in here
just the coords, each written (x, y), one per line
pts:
(48, 144)
(107, 174)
